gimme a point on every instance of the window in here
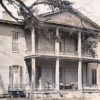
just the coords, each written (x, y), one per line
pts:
(60, 46)
(15, 76)
(15, 41)
(94, 76)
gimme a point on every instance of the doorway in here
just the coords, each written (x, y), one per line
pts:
(15, 77)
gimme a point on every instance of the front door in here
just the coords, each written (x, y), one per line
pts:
(15, 76)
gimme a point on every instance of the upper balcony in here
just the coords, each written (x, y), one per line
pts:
(40, 52)
(52, 53)
(88, 55)
(64, 43)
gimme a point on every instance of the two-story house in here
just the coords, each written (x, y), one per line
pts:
(67, 52)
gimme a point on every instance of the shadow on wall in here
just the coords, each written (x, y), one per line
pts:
(2, 88)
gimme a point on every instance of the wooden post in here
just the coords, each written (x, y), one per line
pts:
(79, 63)
(33, 41)
(57, 42)
(57, 74)
(98, 63)
(33, 74)
(79, 44)
(57, 60)
(80, 75)
(98, 74)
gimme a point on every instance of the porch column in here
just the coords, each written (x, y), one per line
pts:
(80, 75)
(79, 44)
(79, 63)
(57, 74)
(33, 73)
(33, 41)
(98, 75)
(57, 42)
(98, 47)
(57, 60)
(98, 69)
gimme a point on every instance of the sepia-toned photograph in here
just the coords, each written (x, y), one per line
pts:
(49, 50)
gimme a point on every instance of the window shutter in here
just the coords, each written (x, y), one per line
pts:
(21, 75)
(10, 76)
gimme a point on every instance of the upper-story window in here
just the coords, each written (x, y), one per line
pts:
(15, 36)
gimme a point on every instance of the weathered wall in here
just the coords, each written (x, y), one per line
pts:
(90, 67)
(7, 57)
(44, 44)
(47, 70)
(69, 72)
(67, 44)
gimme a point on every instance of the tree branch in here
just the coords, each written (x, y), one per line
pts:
(29, 11)
(2, 4)
(61, 4)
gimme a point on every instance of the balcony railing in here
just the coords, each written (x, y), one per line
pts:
(40, 52)
(45, 52)
(86, 54)
(16, 87)
(28, 53)
(69, 53)
(63, 53)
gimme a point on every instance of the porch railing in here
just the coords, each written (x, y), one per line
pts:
(16, 87)
(91, 88)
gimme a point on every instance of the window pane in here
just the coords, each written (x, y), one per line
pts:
(15, 41)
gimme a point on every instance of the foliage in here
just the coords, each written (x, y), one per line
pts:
(89, 45)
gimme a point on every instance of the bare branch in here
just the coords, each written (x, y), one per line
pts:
(29, 11)
(2, 4)
(61, 4)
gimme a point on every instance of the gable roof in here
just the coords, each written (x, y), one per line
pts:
(69, 17)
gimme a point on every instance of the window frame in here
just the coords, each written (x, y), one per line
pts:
(15, 38)
(11, 74)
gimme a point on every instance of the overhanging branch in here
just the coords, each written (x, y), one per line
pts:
(6, 9)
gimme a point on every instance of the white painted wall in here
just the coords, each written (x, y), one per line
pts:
(7, 57)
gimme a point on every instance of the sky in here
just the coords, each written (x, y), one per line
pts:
(90, 8)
